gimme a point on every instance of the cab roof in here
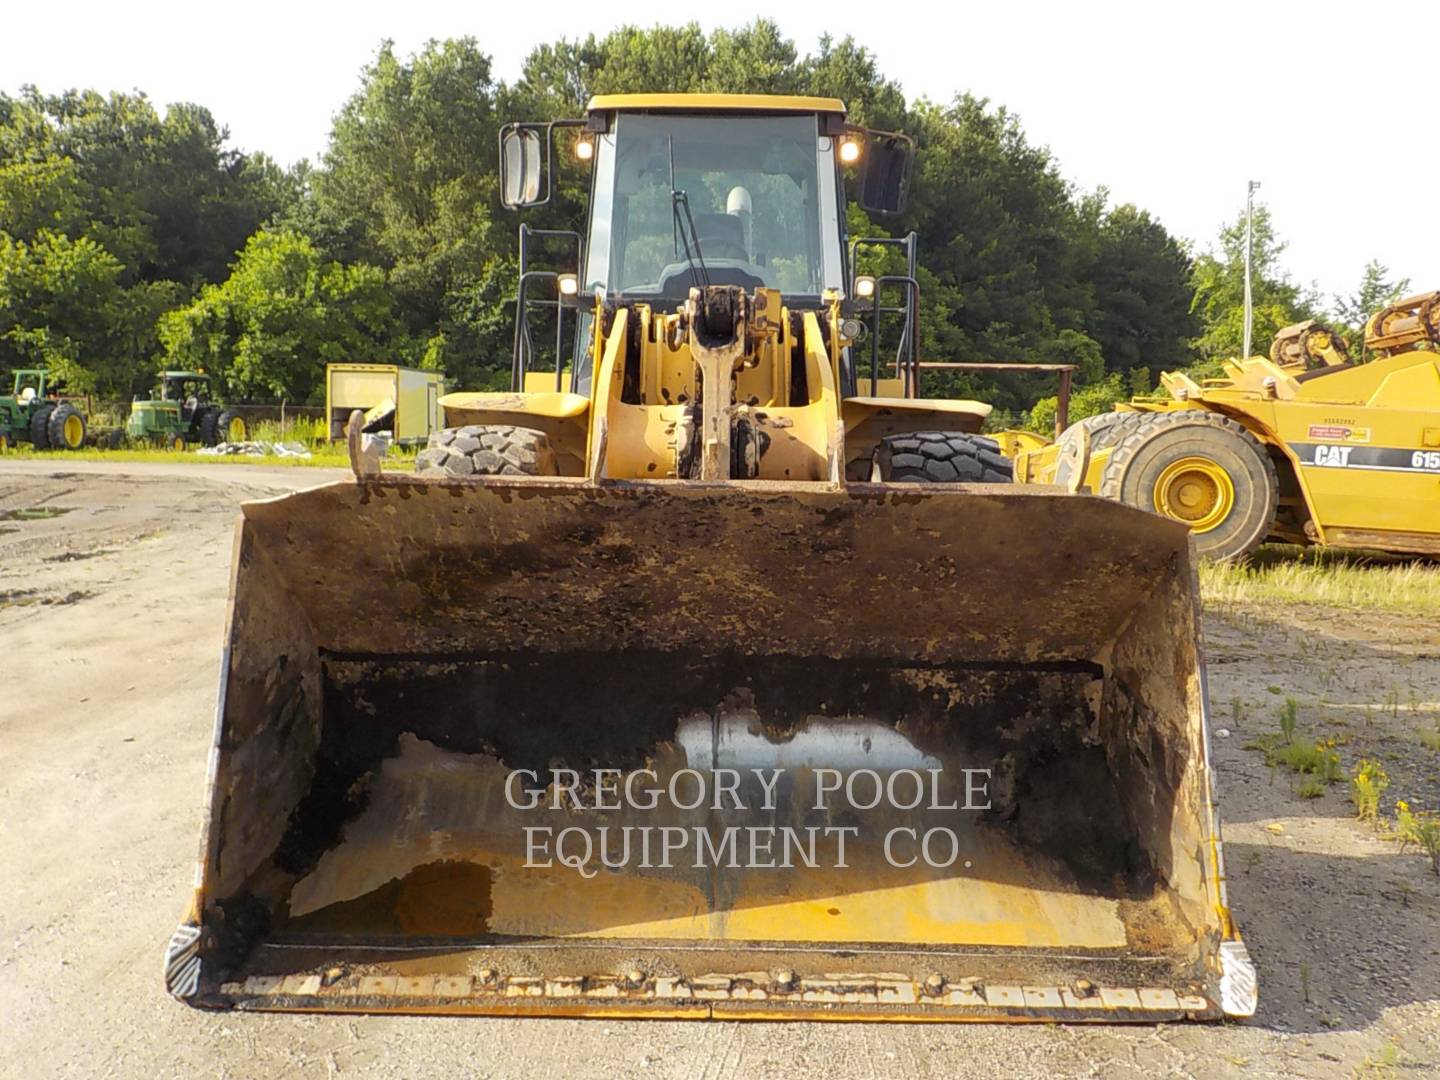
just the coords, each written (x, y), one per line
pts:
(715, 103)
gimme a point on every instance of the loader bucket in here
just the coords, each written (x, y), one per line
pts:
(764, 750)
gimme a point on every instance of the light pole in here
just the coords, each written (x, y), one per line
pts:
(1250, 189)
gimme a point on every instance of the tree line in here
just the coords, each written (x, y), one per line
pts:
(133, 239)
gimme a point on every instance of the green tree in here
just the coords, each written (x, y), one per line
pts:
(1140, 275)
(283, 313)
(1375, 291)
(64, 305)
(410, 185)
(1090, 400)
(1218, 280)
(162, 194)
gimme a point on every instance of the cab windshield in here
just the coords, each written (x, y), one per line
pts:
(761, 194)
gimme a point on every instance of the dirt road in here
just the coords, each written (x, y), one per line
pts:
(112, 595)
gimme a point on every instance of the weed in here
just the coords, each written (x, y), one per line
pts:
(1429, 836)
(1310, 758)
(311, 431)
(1382, 1064)
(1392, 701)
(1421, 828)
(1368, 782)
(1407, 825)
(1316, 763)
(1288, 714)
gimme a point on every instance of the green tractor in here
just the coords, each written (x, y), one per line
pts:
(33, 413)
(179, 411)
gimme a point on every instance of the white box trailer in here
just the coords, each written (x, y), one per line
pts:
(402, 401)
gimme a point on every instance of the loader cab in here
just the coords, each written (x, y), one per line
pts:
(684, 199)
(690, 190)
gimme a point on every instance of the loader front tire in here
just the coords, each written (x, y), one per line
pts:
(488, 450)
(1201, 469)
(939, 457)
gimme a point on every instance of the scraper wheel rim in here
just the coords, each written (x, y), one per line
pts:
(1194, 490)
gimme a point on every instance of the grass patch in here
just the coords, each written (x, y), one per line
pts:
(1316, 765)
(1291, 575)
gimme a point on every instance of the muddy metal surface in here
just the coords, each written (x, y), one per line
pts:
(110, 620)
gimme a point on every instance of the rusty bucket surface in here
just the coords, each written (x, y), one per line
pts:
(669, 749)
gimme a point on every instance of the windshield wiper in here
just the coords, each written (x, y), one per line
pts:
(680, 199)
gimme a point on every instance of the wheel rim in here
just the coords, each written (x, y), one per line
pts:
(235, 432)
(74, 431)
(1195, 490)
(177, 443)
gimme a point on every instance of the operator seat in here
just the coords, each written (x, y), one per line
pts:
(722, 236)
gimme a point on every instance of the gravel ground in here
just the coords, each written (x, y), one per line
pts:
(111, 614)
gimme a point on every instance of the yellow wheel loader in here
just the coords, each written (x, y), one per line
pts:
(713, 673)
(1305, 447)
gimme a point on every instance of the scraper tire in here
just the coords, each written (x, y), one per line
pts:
(1203, 470)
(488, 450)
(1106, 429)
(939, 457)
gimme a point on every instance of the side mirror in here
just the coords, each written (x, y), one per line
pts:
(519, 167)
(885, 182)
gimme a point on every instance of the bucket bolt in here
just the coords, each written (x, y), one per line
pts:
(1085, 988)
(487, 976)
(634, 979)
(785, 979)
(934, 984)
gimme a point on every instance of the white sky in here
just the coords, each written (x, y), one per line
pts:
(1170, 105)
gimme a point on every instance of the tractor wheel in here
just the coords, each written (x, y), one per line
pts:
(40, 427)
(66, 427)
(230, 427)
(209, 426)
(488, 450)
(939, 457)
(4, 442)
(1202, 469)
(176, 443)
